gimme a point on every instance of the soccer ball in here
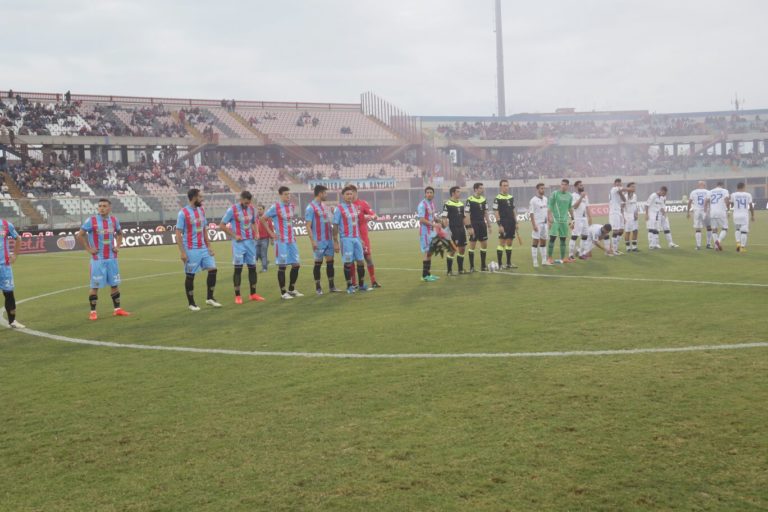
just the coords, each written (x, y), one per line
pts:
(493, 267)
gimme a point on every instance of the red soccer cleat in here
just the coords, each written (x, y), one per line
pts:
(238, 299)
(93, 316)
(257, 298)
(121, 312)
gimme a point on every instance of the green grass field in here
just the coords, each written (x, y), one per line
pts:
(99, 428)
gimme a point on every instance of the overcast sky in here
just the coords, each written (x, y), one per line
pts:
(430, 57)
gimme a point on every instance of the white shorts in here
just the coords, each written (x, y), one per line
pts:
(580, 227)
(742, 224)
(700, 219)
(616, 220)
(630, 223)
(718, 222)
(658, 222)
(542, 232)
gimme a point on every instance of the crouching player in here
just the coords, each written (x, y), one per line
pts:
(596, 233)
(345, 225)
(8, 258)
(239, 222)
(105, 236)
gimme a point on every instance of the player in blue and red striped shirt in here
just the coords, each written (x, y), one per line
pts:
(346, 225)
(240, 223)
(195, 248)
(427, 231)
(318, 217)
(286, 250)
(101, 237)
(8, 258)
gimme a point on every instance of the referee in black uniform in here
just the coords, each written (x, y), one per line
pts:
(453, 211)
(506, 218)
(479, 227)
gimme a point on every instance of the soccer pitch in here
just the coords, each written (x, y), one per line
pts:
(102, 428)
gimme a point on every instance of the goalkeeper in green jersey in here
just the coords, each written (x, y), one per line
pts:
(560, 214)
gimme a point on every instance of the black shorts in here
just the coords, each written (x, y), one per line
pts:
(480, 233)
(459, 236)
(509, 230)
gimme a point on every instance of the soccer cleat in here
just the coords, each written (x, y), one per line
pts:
(559, 262)
(351, 290)
(365, 288)
(582, 257)
(738, 247)
(318, 291)
(194, 307)
(120, 312)
(463, 272)
(673, 246)
(286, 296)
(569, 260)
(375, 284)
(213, 303)
(471, 270)
(483, 269)
(93, 316)
(743, 249)
(335, 290)
(709, 246)
(17, 325)
(718, 247)
(296, 293)
(256, 297)
(535, 265)
(450, 273)
(698, 247)
(547, 262)
(238, 299)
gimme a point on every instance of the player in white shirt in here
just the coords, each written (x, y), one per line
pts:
(719, 203)
(743, 210)
(595, 234)
(582, 219)
(656, 219)
(616, 200)
(537, 211)
(630, 218)
(698, 203)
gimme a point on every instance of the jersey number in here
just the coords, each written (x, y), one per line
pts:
(716, 198)
(741, 202)
(700, 200)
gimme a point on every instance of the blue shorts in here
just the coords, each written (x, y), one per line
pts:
(244, 252)
(286, 253)
(425, 241)
(197, 260)
(104, 273)
(6, 278)
(351, 250)
(324, 249)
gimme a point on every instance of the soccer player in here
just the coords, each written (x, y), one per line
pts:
(105, 236)
(479, 226)
(195, 249)
(616, 201)
(262, 241)
(286, 251)
(427, 231)
(743, 210)
(537, 211)
(698, 203)
(506, 218)
(657, 220)
(346, 220)
(559, 215)
(366, 214)
(242, 217)
(630, 218)
(719, 203)
(319, 217)
(453, 212)
(596, 233)
(7, 259)
(582, 219)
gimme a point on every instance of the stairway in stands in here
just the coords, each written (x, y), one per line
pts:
(25, 204)
(287, 144)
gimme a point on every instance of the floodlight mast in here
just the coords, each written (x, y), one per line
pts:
(502, 108)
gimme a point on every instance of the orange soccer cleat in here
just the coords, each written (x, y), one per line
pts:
(257, 298)
(238, 299)
(120, 312)
(93, 316)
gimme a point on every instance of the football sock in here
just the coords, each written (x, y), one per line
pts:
(92, 300)
(371, 270)
(316, 273)
(744, 239)
(330, 273)
(115, 299)
(294, 277)
(543, 253)
(535, 255)
(424, 268)
(499, 254)
(668, 236)
(460, 262)
(252, 278)
(237, 278)
(562, 248)
(572, 245)
(189, 287)
(211, 283)
(449, 263)
(482, 258)
(698, 239)
(722, 235)
(281, 278)
(509, 255)
(10, 306)
(471, 258)
(634, 244)
(348, 273)
(709, 237)
(551, 247)
(737, 235)
(361, 274)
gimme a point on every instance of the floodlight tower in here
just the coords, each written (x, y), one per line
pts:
(500, 63)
